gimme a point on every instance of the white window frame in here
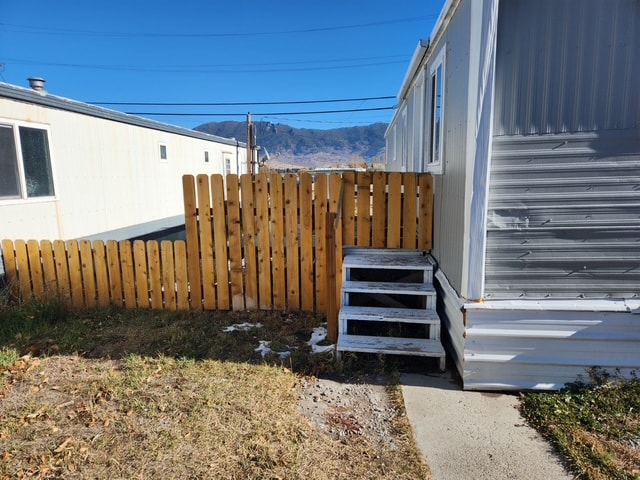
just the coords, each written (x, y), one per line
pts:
(227, 164)
(418, 123)
(434, 147)
(23, 196)
(403, 143)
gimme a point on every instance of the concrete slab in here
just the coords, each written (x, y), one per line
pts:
(475, 435)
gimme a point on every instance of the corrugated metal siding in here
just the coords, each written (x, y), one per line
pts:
(568, 66)
(564, 216)
(545, 349)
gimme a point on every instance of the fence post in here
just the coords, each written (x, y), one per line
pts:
(332, 310)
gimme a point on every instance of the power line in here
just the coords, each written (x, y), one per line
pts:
(60, 31)
(173, 114)
(183, 68)
(226, 104)
(199, 70)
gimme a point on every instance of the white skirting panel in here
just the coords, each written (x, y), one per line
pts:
(543, 345)
(537, 344)
(450, 311)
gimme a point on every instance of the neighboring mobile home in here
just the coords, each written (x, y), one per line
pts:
(71, 170)
(527, 112)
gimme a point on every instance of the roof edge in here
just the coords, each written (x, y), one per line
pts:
(14, 92)
(425, 46)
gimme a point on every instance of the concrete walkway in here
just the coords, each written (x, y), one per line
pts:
(475, 435)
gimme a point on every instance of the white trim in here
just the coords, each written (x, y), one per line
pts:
(583, 305)
(24, 198)
(475, 250)
(435, 167)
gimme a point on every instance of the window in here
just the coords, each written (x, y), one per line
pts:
(206, 157)
(434, 138)
(163, 152)
(25, 162)
(227, 165)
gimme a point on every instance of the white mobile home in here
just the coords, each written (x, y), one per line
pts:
(527, 112)
(71, 170)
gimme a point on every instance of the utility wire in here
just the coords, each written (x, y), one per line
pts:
(60, 31)
(226, 104)
(199, 70)
(258, 114)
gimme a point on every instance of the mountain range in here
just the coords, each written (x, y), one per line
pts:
(309, 148)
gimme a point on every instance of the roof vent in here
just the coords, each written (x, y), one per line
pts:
(37, 84)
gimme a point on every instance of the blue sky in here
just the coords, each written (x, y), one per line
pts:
(199, 51)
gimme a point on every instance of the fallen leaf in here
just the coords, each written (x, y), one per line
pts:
(63, 445)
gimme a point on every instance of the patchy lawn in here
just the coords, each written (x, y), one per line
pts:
(142, 394)
(595, 424)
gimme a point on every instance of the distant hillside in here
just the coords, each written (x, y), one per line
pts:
(304, 147)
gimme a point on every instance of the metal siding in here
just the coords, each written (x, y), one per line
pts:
(564, 216)
(450, 197)
(107, 174)
(514, 349)
(569, 66)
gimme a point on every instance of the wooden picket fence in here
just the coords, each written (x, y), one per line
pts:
(267, 241)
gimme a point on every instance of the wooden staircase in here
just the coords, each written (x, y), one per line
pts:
(389, 304)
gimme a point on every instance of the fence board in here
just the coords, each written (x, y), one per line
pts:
(24, 276)
(155, 274)
(10, 269)
(292, 241)
(264, 244)
(349, 209)
(62, 269)
(249, 227)
(425, 238)
(75, 274)
(182, 279)
(320, 254)
(115, 273)
(409, 211)
(88, 273)
(193, 246)
(48, 266)
(277, 242)
(335, 186)
(101, 272)
(168, 275)
(235, 243)
(205, 227)
(221, 257)
(307, 287)
(127, 265)
(394, 209)
(379, 210)
(35, 268)
(142, 275)
(363, 220)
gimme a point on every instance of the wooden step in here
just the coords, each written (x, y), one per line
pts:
(423, 289)
(388, 261)
(392, 346)
(381, 314)
(350, 250)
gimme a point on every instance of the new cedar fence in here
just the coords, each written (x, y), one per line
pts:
(252, 242)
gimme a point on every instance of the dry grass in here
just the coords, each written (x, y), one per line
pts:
(147, 397)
